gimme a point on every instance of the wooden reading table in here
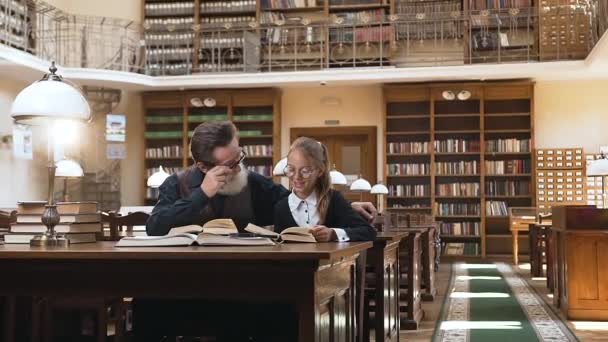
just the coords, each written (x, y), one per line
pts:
(317, 278)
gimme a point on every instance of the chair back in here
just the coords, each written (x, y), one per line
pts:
(117, 222)
(6, 218)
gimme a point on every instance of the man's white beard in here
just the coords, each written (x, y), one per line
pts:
(236, 184)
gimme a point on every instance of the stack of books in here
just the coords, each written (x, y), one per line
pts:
(79, 221)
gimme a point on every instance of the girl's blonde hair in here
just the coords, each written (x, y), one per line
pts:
(316, 153)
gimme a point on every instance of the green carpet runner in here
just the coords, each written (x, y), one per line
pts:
(491, 302)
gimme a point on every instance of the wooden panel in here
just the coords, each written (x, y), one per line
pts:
(254, 97)
(581, 255)
(163, 100)
(503, 92)
(406, 93)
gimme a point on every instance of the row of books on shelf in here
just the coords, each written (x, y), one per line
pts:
(453, 209)
(178, 134)
(168, 169)
(252, 117)
(362, 34)
(499, 4)
(435, 9)
(169, 39)
(169, 54)
(80, 221)
(507, 187)
(362, 16)
(208, 67)
(408, 147)
(258, 150)
(223, 42)
(156, 68)
(503, 167)
(18, 7)
(279, 4)
(463, 167)
(458, 189)
(460, 228)
(409, 206)
(264, 170)
(409, 169)
(228, 6)
(456, 145)
(496, 208)
(415, 190)
(460, 248)
(173, 8)
(163, 24)
(223, 20)
(508, 145)
(174, 151)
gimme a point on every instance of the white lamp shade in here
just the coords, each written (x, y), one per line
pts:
(337, 178)
(157, 178)
(598, 167)
(68, 168)
(379, 189)
(360, 185)
(279, 169)
(49, 99)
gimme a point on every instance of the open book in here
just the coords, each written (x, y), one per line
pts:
(213, 233)
(293, 234)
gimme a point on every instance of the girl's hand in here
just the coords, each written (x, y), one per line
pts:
(323, 234)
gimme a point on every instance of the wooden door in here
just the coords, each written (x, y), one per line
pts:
(353, 152)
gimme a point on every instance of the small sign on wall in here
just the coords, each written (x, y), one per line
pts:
(116, 151)
(116, 127)
(22, 142)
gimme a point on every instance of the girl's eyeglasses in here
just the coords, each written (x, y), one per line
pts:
(304, 172)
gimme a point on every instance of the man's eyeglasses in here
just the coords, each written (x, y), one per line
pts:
(304, 172)
(233, 163)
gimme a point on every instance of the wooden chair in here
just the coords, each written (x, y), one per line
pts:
(106, 310)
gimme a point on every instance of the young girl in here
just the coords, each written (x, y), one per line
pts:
(312, 203)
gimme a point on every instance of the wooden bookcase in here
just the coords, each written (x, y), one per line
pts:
(564, 29)
(465, 161)
(171, 118)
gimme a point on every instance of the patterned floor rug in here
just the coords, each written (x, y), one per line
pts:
(491, 302)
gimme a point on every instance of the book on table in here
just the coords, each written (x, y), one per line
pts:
(292, 234)
(219, 232)
(74, 238)
(63, 208)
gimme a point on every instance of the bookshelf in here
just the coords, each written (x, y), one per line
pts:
(501, 30)
(465, 161)
(171, 117)
(16, 17)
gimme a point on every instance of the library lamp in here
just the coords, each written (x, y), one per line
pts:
(599, 168)
(379, 190)
(50, 100)
(360, 185)
(157, 178)
(337, 177)
(67, 169)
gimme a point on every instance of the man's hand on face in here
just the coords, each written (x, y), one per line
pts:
(215, 179)
(365, 209)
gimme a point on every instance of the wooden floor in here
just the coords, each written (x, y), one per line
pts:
(585, 331)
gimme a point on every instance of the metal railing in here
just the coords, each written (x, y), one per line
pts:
(397, 41)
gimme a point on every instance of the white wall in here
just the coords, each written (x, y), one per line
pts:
(124, 9)
(571, 114)
(20, 180)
